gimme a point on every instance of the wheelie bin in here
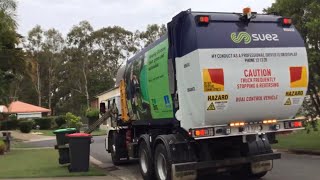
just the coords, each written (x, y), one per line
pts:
(79, 144)
(62, 144)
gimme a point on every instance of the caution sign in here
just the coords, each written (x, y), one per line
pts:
(213, 80)
(217, 105)
(298, 77)
(288, 102)
(211, 107)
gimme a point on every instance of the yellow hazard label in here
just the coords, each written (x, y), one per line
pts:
(294, 93)
(211, 107)
(288, 102)
(220, 97)
(213, 80)
(298, 76)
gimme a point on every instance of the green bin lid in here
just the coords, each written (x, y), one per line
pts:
(66, 130)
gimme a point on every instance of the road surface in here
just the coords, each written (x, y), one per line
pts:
(290, 167)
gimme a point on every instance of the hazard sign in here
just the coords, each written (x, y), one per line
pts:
(213, 80)
(211, 107)
(288, 102)
(298, 77)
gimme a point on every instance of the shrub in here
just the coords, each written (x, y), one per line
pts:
(2, 147)
(26, 126)
(92, 115)
(13, 117)
(44, 123)
(60, 120)
(73, 121)
(9, 124)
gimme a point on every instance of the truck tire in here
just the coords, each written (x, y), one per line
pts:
(261, 146)
(114, 155)
(118, 148)
(162, 163)
(258, 176)
(145, 161)
(245, 173)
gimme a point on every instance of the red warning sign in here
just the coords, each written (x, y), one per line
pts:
(298, 77)
(213, 80)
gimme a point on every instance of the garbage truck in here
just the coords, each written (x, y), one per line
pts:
(209, 96)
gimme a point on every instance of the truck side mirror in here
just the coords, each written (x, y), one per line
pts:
(102, 108)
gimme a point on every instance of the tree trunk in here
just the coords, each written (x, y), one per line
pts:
(315, 98)
(314, 103)
(38, 84)
(49, 83)
(86, 86)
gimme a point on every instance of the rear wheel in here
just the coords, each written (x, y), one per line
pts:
(258, 176)
(246, 173)
(145, 161)
(114, 155)
(162, 163)
(118, 148)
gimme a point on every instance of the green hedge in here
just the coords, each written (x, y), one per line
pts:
(60, 120)
(92, 115)
(45, 123)
(73, 121)
(26, 126)
(9, 124)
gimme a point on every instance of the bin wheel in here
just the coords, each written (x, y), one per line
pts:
(114, 155)
(145, 161)
(162, 163)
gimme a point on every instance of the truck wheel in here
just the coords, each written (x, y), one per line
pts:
(162, 163)
(245, 173)
(258, 176)
(145, 161)
(114, 155)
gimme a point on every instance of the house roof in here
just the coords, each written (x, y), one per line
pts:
(104, 92)
(3, 109)
(21, 107)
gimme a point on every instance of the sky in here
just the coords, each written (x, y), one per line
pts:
(130, 14)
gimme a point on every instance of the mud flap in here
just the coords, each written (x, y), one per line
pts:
(261, 166)
(183, 175)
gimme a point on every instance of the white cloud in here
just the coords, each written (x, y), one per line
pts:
(130, 14)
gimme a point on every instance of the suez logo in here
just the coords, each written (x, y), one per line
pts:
(247, 38)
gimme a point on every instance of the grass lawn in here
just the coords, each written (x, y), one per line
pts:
(37, 163)
(44, 132)
(299, 140)
(16, 143)
(98, 132)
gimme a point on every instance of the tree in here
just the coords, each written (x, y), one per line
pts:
(7, 23)
(112, 46)
(153, 32)
(78, 41)
(35, 46)
(52, 47)
(12, 64)
(306, 18)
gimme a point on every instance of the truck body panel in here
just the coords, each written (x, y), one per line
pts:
(220, 86)
(225, 71)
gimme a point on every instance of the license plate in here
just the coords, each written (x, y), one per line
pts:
(252, 128)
